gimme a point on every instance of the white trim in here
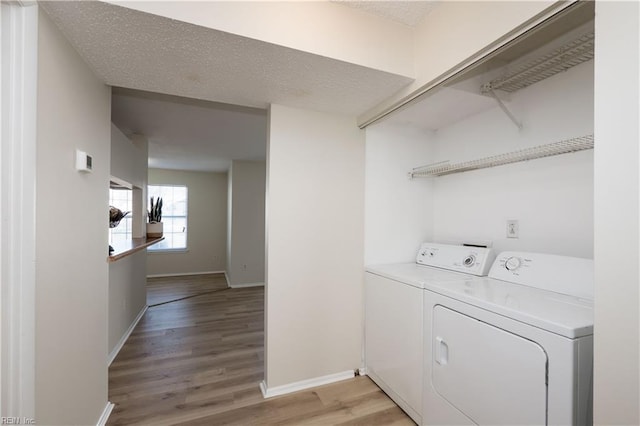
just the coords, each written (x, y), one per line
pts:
(226, 277)
(102, 421)
(154, 251)
(114, 353)
(18, 123)
(183, 274)
(243, 285)
(304, 384)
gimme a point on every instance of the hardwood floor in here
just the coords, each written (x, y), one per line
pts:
(199, 360)
(167, 289)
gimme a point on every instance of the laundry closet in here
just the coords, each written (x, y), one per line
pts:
(498, 155)
(470, 191)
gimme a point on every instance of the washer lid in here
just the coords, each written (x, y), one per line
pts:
(416, 275)
(565, 315)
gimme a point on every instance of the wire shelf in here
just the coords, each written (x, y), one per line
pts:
(556, 148)
(561, 59)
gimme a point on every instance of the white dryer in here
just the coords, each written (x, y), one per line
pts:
(515, 348)
(394, 316)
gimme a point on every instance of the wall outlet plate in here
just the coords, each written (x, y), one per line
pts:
(513, 229)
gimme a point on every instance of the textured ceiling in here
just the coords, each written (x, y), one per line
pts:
(135, 50)
(187, 134)
(406, 12)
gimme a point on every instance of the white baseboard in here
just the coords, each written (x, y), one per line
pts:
(126, 335)
(102, 421)
(182, 274)
(226, 277)
(246, 285)
(304, 384)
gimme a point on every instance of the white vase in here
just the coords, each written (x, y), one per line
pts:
(154, 230)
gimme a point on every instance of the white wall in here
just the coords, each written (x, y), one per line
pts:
(206, 224)
(551, 198)
(128, 161)
(456, 31)
(128, 276)
(71, 235)
(127, 295)
(617, 327)
(324, 28)
(399, 211)
(245, 263)
(315, 232)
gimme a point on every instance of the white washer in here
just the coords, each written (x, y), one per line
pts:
(513, 348)
(394, 316)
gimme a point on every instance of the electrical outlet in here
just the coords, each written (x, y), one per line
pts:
(513, 229)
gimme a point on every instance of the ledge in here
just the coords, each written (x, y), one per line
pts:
(126, 248)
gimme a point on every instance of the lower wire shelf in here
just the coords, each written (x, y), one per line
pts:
(556, 148)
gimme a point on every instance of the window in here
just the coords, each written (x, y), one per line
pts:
(122, 199)
(174, 216)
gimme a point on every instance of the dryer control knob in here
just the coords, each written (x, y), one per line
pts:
(469, 261)
(512, 263)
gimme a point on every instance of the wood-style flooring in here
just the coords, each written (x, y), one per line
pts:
(199, 360)
(168, 289)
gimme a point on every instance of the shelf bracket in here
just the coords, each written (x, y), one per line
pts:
(488, 89)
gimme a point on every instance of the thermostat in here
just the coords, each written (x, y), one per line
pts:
(84, 162)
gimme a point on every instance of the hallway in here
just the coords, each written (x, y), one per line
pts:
(199, 360)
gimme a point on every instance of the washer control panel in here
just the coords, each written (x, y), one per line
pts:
(561, 274)
(470, 260)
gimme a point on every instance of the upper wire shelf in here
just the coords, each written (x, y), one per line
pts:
(562, 147)
(569, 55)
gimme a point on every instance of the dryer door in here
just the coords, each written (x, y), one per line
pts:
(490, 375)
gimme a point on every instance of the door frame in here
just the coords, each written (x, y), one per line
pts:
(18, 106)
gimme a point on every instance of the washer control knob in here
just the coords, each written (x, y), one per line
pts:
(512, 263)
(469, 261)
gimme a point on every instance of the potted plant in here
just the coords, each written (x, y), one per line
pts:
(154, 227)
(115, 216)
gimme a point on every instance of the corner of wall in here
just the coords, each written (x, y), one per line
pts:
(229, 221)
